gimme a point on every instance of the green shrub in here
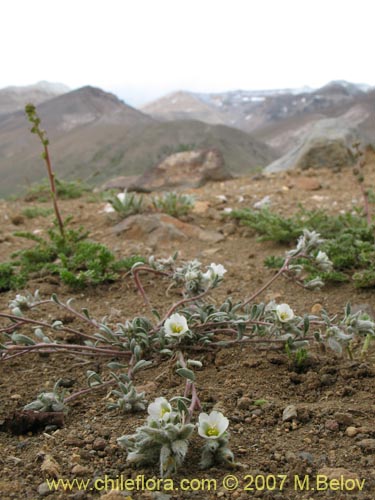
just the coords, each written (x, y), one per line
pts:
(174, 204)
(9, 277)
(126, 204)
(33, 212)
(66, 190)
(349, 241)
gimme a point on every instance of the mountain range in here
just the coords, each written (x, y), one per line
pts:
(95, 136)
(267, 114)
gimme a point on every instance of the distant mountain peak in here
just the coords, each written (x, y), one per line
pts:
(44, 86)
(14, 98)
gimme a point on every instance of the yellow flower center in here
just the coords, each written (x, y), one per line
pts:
(212, 431)
(284, 316)
(163, 411)
(176, 328)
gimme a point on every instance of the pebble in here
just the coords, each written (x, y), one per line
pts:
(306, 456)
(75, 458)
(316, 308)
(367, 445)
(331, 425)
(345, 419)
(351, 431)
(337, 473)
(244, 403)
(44, 490)
(114, 495)
(80, 470)
(327, 379)
(289, 413)
(99, 444)
(290, 456)
(229, 229)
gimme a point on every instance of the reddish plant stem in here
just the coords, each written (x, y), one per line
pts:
(46, 325)
(89, 389)
(51, 177)
(138, 281)
(78, 314)
(190, 389)
(274, 278)
(180, 303)
(67, 347)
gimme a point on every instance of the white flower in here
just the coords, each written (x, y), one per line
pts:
(214, 271)
(121, 196)
(212, 426)
(284, 313)
(176, 326)
(218, 269)
(160, 409)
(323, 261)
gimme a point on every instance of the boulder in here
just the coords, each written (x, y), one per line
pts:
(120, 183)
(327, 145)
(161, 229)
(188, 169)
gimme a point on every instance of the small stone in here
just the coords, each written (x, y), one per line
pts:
(200, 207)
(307, 184)
(73, 440)
(327, 379)
(332, 425)
(290, 456)
(44, 490)
(289, 413)
(116, 495)
(99, 444)
(311, 380)
(50, 428)
(365, 430)
(80, 470)
(75, 458)
(337, 473)
(306, 456)
(351, 431)
(344, 419)
(244, 403)
(367, 445)
(316, 308)
(229, 229)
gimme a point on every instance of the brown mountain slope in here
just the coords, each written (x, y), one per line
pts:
(358, 113)
(184, 105)
(95, 136)
(277, 117)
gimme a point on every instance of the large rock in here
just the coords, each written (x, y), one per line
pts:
(188, 169)
(326, 145)
(120, 182)
(161, 229)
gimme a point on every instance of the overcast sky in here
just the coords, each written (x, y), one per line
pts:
(142, 49)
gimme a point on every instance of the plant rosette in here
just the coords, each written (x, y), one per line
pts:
(213, 429)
